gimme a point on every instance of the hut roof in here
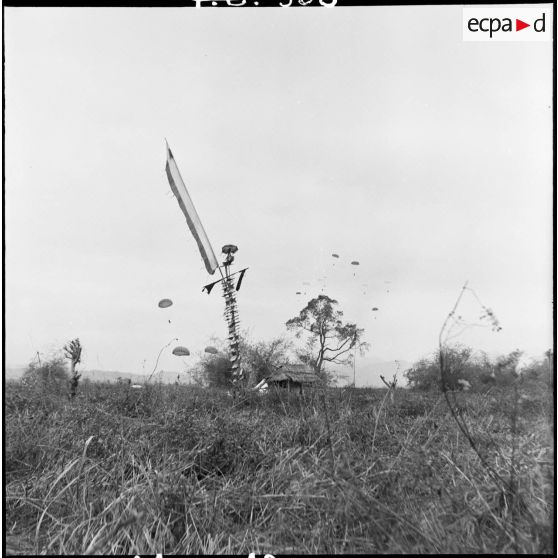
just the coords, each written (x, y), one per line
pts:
(296, 373)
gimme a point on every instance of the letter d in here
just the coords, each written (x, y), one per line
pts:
(542, 20)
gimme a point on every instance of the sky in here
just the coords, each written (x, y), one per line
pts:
(375, 133)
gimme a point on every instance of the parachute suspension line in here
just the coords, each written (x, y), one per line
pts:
(231, 315)
(159, 356)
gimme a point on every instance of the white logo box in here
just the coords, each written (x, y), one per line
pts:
(499, 24)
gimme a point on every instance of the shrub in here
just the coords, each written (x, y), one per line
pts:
(49, 377)
(460, 363)
(425, 374)
(215, 371)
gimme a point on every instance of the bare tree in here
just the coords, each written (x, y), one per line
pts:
(390, 385)
(72, 351)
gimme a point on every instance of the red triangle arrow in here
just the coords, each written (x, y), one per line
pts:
(519, 25)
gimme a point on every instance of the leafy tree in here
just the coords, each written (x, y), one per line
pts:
(214, 371)
(259, 360)
(478, 369)
(72, 351)
(328, 338)
(459, 364)
(262, 358)
(424, 375)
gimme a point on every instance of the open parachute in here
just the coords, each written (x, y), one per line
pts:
(165, 303)
(180, 351)
(211, 350)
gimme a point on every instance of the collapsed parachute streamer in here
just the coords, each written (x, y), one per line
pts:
(186, 205)
(231, 317)
(229, 291)
(231, 312)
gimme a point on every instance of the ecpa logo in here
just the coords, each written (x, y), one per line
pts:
(507, 24)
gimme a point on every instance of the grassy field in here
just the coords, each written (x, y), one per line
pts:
(184, 470)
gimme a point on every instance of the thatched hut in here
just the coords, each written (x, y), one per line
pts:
(293, 377)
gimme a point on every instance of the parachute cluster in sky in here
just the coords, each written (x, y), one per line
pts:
(181, 351)
(338, 261)
(177, 351)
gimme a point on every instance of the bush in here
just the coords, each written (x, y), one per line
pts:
(425, 374)
(460, 363)
(49, 377)
(259, 360)
(214, 371)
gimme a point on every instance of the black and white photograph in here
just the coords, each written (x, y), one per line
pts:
(278, 278)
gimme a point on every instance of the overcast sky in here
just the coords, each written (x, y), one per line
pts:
(375, 133)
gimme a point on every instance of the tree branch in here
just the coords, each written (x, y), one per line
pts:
(340, 346)
(331, 359)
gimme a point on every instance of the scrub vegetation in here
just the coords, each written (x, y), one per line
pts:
(184, 469)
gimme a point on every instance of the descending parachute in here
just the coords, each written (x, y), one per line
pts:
(335, 255)
(354, 262)
(298, 292)
(374, 309)
(180, 351)
(211, 350)
(165, 303)
(229, 249)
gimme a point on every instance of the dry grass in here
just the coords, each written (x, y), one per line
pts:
(181, 470)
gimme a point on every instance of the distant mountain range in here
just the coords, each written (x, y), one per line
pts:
(368, 371)
(13, 372)
(16, 372)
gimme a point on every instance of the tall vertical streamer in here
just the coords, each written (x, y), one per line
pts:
(187, 206)
(231, 317)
